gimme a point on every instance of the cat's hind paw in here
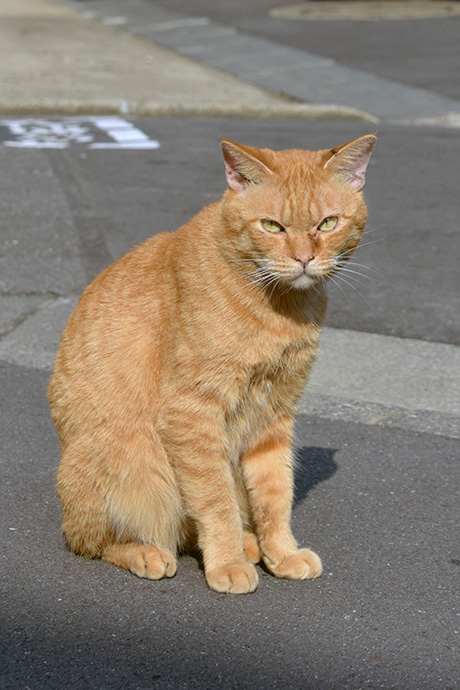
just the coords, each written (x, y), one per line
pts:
(300, 565)
(144, 560)
(237, 578)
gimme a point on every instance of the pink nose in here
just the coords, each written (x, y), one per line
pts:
(304, 260)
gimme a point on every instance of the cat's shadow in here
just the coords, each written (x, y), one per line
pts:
(313, 465)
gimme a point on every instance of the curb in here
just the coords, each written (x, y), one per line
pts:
(30, 339)
(296, 111)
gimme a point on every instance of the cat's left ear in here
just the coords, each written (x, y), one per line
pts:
(243, 165)
(350, 161)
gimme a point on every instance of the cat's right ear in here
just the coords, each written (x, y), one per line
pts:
(243, 165)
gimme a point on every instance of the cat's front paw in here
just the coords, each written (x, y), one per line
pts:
(299, 565)
(237, 578)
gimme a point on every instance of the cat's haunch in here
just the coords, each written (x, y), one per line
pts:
(177, 377)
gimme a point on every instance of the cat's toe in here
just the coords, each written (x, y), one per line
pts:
(158, 563)
(300, 565)
(145, 560)
(238, 578)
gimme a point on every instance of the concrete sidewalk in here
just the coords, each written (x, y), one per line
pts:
(56, 60)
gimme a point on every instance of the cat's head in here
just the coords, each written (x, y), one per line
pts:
(293, 216)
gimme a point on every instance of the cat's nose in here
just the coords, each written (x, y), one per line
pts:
(304, 259)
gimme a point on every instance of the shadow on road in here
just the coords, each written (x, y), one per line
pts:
(313, 465)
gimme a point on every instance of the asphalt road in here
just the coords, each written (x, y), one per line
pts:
(379, 504)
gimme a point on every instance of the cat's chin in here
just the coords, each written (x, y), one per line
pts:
(303, 282)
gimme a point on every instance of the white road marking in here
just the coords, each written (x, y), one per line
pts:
(42, 133)
(127, 145)
(125, 135)
(28, 144)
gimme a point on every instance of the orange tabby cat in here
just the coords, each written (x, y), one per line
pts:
(176, 381)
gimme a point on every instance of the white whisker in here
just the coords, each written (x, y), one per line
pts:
(347, 270)
(340, 277)
(348, 252)
(354, 263)
(336, 283)
(369, 230)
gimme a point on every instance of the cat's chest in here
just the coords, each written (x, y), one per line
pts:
(277, 377)
(264, 378)
(267, 389)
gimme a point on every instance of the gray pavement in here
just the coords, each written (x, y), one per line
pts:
(377, 492)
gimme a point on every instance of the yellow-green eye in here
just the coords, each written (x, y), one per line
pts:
(328, 224)
(272, 226)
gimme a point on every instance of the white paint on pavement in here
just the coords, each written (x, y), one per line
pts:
(124, 135)
(41, 133)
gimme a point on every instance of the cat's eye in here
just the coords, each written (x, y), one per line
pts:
(272, 226)
(328, 224)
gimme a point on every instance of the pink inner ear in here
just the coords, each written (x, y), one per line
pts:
(351, 160)
(357, 171)
(235, 179)
(242, 167)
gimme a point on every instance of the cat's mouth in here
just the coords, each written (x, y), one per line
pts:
(291, 276)
(304, 279)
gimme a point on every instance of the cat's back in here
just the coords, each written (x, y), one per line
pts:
(144, 281)
(124, 329)
(124, 294)
(110, 339)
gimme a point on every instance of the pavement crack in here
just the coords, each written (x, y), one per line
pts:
(11, 325)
